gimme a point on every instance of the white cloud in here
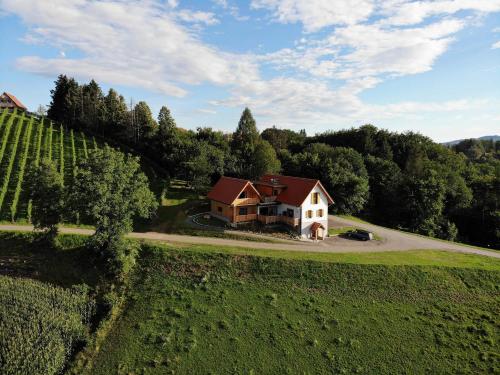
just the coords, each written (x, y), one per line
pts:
(139, 43)
(408, 12)
(378, 50)
(206, 111)
(496, 45)
(206, 18)
(369, 50)
(316, 14)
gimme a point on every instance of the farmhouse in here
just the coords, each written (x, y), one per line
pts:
(10, 101)
(301, 203)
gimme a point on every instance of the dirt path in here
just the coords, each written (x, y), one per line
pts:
(393, 241)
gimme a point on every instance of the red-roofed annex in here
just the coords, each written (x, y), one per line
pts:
(301, 203)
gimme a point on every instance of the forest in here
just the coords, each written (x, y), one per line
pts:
(401, 180)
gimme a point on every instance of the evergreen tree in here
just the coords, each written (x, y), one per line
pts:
(166, 124)
(145, 124)
(115, 111)
(92, 114)
(246, 136)
(58, 108)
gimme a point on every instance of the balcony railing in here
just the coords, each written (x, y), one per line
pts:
(293, 221)
(246, 201)
(242, 218)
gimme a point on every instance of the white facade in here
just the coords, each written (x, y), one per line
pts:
(305, 222)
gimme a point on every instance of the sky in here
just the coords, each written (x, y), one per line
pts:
(427, 66)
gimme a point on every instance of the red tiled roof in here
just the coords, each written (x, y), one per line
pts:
(16, 101)
(227, 189)
(297, 188)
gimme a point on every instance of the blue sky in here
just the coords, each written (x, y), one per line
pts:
(427, 66)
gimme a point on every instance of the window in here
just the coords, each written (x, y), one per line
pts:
(309, 214)
(289, 212)
(319, 213)
(243, 211)
(243, 195)
(315, 198)
(219, 209)
(275, 192)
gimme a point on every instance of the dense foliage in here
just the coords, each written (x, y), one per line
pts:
(110, 189)
(40, 325)
(403, 180)
(46, 188)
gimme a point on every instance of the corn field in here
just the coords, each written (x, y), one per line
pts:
(24, 142)
(40, 325)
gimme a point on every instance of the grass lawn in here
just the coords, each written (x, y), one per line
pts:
(410, 258)
(207, 313)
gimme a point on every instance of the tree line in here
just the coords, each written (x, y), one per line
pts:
(402, 180)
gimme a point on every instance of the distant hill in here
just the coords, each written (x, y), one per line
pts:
(484, 138)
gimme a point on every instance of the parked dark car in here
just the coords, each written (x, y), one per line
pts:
(361, 235)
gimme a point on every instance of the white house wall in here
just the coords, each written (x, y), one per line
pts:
(305, 227)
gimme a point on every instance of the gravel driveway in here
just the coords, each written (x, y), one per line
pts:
(392, 240)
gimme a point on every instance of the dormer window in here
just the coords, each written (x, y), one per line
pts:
(315, 198)
(243, 195)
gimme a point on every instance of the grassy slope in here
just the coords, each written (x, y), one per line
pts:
(207, 309)
(192, 312)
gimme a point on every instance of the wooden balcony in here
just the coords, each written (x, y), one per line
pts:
(243, 218)
(246, 201)
(268, 219)
(293, 221)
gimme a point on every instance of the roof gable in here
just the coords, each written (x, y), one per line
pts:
(15, 100)
(297, 188)
(227, 189)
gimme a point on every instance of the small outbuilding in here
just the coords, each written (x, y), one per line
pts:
(10, 101)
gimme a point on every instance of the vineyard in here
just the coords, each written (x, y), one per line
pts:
(24, 141)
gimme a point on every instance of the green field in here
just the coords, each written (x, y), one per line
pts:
(24, 141)
(207, 309)
(205, 313)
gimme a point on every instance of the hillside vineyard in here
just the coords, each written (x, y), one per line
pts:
(24, 141)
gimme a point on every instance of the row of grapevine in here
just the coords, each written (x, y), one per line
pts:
(2, 117)
(6, 135)
(22, 167)
(61, 150)
(12, 159)
(85, 152)
(49, 142)
(36, 162)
